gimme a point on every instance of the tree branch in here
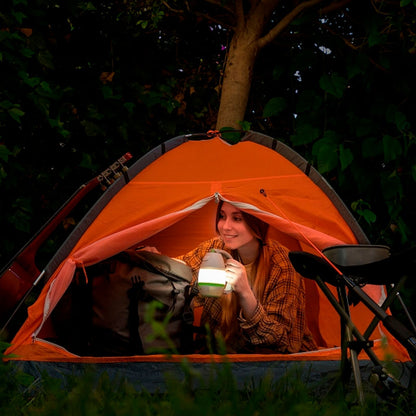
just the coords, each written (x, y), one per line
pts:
(177, 11)
(334, 6)
(346, 41)
(285, 21)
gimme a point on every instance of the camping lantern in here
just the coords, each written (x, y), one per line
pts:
(211, 275)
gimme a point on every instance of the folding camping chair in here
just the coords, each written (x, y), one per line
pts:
(351, 267)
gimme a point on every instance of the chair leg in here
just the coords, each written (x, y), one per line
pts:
(353, 341)
(348, 347)
(357, 375)
(387, 302)
(348, 344)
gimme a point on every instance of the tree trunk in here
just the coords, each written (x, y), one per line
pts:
(237, 80)
(248, 39)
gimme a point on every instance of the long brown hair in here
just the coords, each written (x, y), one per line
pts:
(229, 303)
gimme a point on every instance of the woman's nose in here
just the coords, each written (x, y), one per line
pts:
(227, 224)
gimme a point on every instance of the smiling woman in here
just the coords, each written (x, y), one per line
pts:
(235, 232)
(265, 312)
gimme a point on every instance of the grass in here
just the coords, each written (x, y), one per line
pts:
(89, 394)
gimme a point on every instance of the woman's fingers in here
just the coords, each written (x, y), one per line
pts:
(148, 248)
(233, 272)
(232, 266)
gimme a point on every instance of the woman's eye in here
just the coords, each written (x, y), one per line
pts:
(238, 219)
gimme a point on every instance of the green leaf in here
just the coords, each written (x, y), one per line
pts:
(358, 66)
(413, 172)
(31, 81)
(94, 113)
(3, 174)
(245, 125)
(326, 152)
(3, 346)
(24, 379)
(86, 162)
(364, 126)
(404, 3)
(16, 113)
(333, 84)
(392, 190)
(108, 93)
(368, 215)
(6, 104)
(277, 72)
(363, 209)
(359, 204)
(401, 121)
(27, 53)
(345, 156)
(59, 125)
(398, 118)
(375, 37)
(142, 23)
(371, 147)
(45, 58)
(129, 106)
(4, 153)
(274, 106)
(308, 101)
(230, 134)
(19, 16)
(304, 134)
(170, 106)
(403, 229)
(331, 136)
(21, 214)
(88, 6)
(92, 129)
(44, 89)
(392, 148)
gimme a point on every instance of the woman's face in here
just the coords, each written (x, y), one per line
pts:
(232, 227)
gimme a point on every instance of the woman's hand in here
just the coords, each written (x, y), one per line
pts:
(148, 248)
(236, 276)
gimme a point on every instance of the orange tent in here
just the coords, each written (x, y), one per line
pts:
(169, 201)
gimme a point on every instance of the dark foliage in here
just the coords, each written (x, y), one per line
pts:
(84, 82)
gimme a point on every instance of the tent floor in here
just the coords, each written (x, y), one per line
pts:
(152, 376)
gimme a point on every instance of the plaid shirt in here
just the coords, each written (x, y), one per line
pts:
(278, 324)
